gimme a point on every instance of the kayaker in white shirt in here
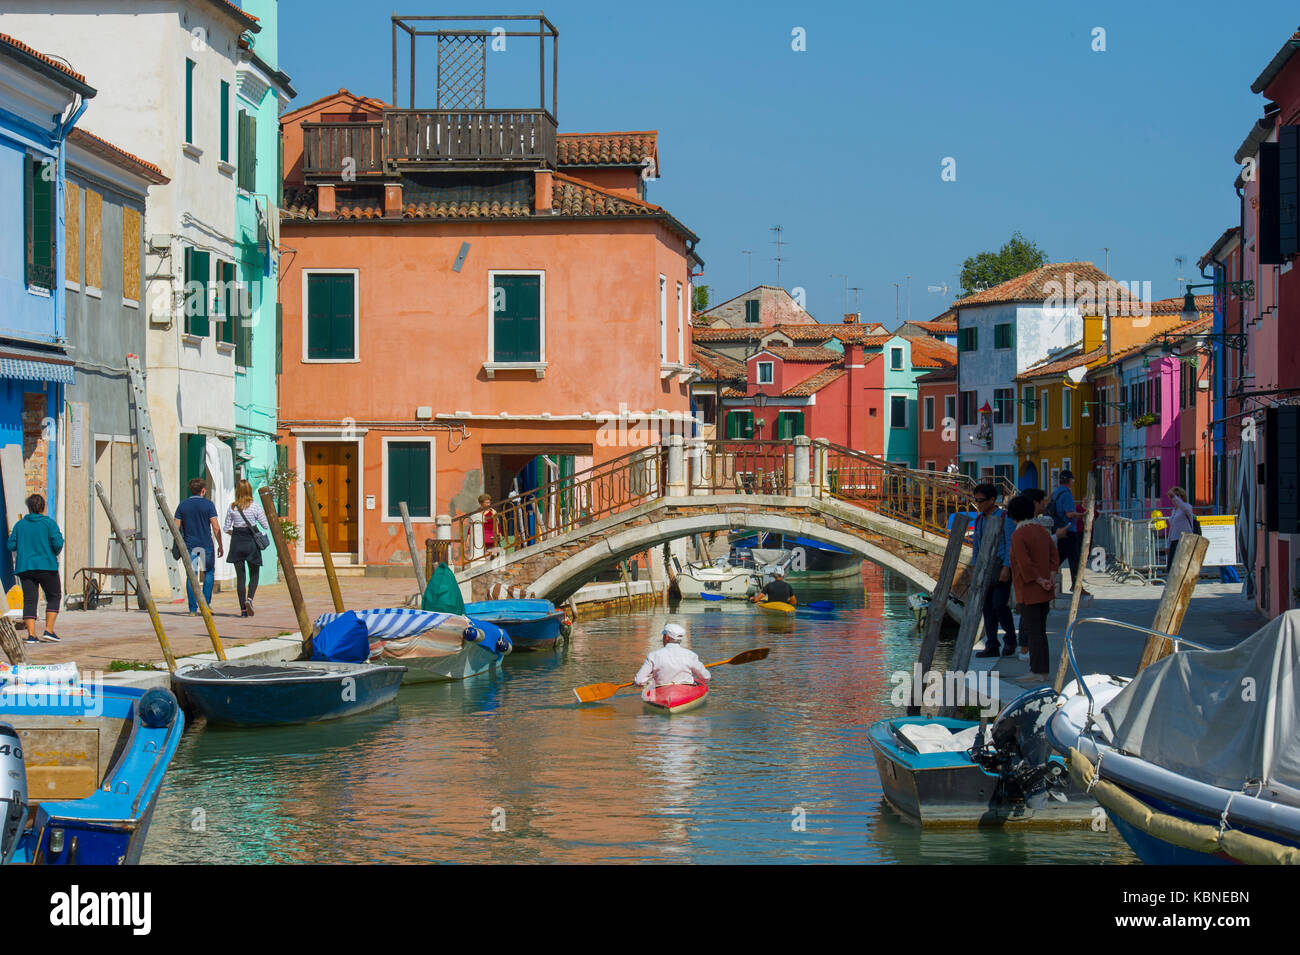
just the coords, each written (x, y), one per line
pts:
(671, 663)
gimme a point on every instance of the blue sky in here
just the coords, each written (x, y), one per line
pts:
(843, 143)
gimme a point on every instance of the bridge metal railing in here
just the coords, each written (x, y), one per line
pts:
(798, 467)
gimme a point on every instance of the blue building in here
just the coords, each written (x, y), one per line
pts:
(41, 100)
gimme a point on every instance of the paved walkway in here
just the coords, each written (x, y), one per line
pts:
(95, 638)
(1218, 617)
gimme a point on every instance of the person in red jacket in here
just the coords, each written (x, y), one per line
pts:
(1034, 562)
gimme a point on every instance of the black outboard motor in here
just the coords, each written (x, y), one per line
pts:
(1020, 753)
(13, 791)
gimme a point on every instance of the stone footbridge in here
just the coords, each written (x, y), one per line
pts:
(553, 540)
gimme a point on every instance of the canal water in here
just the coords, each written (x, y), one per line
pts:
(508, 768)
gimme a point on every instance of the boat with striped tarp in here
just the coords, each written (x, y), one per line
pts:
(432, 646)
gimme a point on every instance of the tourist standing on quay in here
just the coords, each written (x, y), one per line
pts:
(1181, 521)
(245, 553)
(36, 542)
(997, 609)
(1034, 561)
(196, 517)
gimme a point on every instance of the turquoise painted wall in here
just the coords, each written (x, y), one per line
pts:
(900, 443)
(256, 407)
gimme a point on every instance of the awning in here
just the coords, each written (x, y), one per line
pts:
(35, 366)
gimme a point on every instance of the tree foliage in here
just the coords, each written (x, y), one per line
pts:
(1018, 256)
(700, 300)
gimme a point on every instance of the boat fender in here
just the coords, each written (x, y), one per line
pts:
(157, 708)
(490, 637)
(13, 791)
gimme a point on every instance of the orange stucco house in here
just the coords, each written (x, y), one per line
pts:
(470, 303)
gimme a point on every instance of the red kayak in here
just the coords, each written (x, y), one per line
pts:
(677, 697)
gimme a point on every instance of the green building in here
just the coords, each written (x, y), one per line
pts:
(261, 93)
(906, 358)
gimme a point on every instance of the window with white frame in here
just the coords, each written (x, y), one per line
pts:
(681, 326)
(1027, 404)
(517, 332)
(898, 411)
(663, 318)
(928, 419)
(1043, 409)
(1067, 408)
(408, 477)
(765, 372)
(329, 328)
(950, 407)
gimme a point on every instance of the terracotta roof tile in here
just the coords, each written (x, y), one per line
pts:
(1036, 285)
(931, 353)
(947, 373)
(714, 366)
(938, 327)
(608, 149)
(1203, 324)
(814, 384)
(573, 197)
(116, 155)
(44, 58)
(1060, 364)
(788, 353)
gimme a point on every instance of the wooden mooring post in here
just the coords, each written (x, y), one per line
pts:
(1178, 594)
(326, 557)
(420, 578)
(289, 571)
(192, 577)
(986, 567)
(939, 602)
(1076, 586)
(141, 579)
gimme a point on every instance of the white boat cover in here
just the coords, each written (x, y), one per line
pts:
(933, 738)
(1228, 718)
(393, 623)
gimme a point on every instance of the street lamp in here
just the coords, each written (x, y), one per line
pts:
(1190, 313)
(760, 402)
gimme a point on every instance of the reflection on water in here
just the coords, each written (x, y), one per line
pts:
(424, 779)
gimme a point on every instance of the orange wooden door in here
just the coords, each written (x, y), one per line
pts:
(332, 467)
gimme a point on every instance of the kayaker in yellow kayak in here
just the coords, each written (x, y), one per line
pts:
(671, 663)
(778, 591)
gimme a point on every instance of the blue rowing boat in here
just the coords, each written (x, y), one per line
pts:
(278, 694)
(82, 765)
(530, 624)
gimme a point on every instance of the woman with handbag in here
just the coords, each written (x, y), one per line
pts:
(244, 523)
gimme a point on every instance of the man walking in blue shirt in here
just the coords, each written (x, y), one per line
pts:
(997, 609)
(196, 517)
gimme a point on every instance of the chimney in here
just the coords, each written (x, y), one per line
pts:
(1093, 326)
(325, 204)
(543, 187)
(852, 318)
(392, 199)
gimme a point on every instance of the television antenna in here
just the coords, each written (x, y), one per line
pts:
(942, 289)
(778, 229)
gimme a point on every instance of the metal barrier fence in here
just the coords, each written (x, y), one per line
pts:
(1134, 549)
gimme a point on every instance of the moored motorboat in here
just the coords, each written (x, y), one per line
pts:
(530, 624)
(938, 770)
(742, 573)
(809, 559)
(275, 694)
(672, 698)
(82, 767)
(1197, 760)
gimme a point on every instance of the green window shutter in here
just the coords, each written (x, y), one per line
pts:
(789, 424)
(29, 171)
(196, 292)
(225, 121)
(330, 316)
(193, 447)
(751, 311)
(281, 466)
(229, 302)
(517, 318)
(38, 195)
(740, 424)
(189, 101)
(247, 151)
(243, 334)
(408, 478)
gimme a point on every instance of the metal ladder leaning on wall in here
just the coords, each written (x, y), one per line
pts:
(149, 449)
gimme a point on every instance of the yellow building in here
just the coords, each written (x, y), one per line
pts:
(1054, 412)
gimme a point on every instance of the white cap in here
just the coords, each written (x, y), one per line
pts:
(675, 632)
(779, 572)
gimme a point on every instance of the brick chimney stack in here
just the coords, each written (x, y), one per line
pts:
(543, 188)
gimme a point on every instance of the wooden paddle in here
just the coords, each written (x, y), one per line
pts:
(596, 692)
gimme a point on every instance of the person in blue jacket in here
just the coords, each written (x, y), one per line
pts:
(36, 542)
(997, 599)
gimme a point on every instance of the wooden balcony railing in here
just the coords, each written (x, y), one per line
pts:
(326, 147)
(429, 138)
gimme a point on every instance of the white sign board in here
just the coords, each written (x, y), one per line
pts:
(1221, 531)
(76, 433)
